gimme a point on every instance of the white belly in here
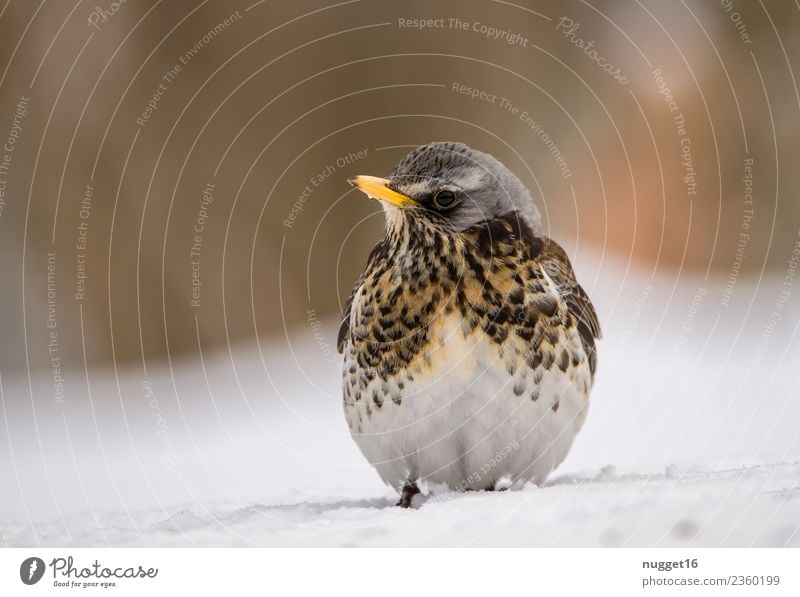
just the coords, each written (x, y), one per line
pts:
(461, 422)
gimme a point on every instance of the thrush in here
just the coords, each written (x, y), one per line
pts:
(469, 347)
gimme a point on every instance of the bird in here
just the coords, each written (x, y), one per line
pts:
(469, 348)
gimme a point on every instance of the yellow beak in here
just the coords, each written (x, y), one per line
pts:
(377, 188)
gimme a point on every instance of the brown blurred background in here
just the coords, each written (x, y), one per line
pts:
(276, 104)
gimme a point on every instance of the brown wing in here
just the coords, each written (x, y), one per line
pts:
(344, 327)
(556, 264)
(377, 254)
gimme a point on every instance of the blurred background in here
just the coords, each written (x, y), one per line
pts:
(174, 198)
(283, 92)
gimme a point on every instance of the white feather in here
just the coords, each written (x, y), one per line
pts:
(461, 423)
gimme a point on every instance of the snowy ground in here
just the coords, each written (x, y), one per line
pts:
(756, 506)
(692, 439)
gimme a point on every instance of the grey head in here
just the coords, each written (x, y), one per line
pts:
(459, 187)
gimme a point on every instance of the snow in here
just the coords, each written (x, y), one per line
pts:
(691, 439)
(744, 507)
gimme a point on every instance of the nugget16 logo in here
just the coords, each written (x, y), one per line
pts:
(31, 571)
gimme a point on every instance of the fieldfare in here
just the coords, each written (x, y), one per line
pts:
(469, 347)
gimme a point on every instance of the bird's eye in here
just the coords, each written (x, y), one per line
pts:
(444, 199)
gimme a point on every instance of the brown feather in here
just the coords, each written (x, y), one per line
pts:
(555, 262)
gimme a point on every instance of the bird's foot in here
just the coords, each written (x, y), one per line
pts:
(407, 494)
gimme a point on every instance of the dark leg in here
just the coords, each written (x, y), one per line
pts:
(410, 489)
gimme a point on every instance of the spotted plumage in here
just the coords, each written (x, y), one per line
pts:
(469, 348)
